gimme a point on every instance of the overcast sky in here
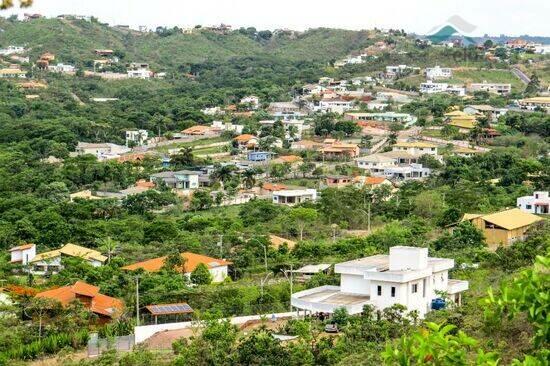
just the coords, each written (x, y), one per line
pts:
(512, 17)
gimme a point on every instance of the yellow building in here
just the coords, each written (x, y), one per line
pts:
(503, 228)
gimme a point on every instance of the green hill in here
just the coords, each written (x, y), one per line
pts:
(75, 41)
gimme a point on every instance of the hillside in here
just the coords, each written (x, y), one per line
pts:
(75, 40)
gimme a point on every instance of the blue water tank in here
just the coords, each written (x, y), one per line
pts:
(438, 304)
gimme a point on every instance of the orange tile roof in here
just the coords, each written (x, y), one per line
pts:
(22, 247)
(273, 186)
(100, 304)
(244, 138)
(192, 260)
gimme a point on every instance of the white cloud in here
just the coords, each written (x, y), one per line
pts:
(490, 16)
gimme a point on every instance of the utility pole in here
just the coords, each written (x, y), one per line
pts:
(137, 300)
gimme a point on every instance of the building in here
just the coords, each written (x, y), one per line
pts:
(483, 109)
(538, 203)
(13, 74)
(380, 117)
(293, 197)
(12, 50)
(183, 179)
(102, 151)
(536, 102)
(52, 261)
(252, 101)
(259, 156)
(23, 254)
(503, 228)
(417, 148)
(338, 181)
(436, 73)
(105, 307)
(430, 87)
(137, 137)
(407, 276)
(375, 163)
(496, 88)
(246, 141)
(62, 68)
(218, 268)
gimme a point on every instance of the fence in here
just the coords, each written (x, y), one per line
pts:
(97, 346)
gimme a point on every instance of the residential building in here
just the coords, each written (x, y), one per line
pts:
(138, 137)
(503, 228)
(418, 148)
(407, 276)
(246, 141)
(483, 109)
(535, 102)
(105, 307)
(62, 68)
(180, 180)
(12, 50)
(430, 87)
(338, 181)
(293, 197)
(437, 72)
(538, 203)
(380, 117)
(251, 100)
(102, 151)
(52, 261)
(23, 254)
(260, 155)
(218, 268)
(227, 126)
(13, 73)
(496, 88)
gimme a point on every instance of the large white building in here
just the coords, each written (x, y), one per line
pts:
(437, 72)
(406, 276)
(538, 203)
(430, 87)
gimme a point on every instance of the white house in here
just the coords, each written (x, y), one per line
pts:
(406, 276)
(139, 137)
(252, 100)
(52, 261)
(293, 197)
(23, 254)
(12, 50)
(140, 73)
(435, 73)
(102, 151)
(538, 203)
(430, 87)
(496, 88)
(62, 68)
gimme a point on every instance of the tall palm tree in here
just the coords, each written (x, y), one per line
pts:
(249, 178)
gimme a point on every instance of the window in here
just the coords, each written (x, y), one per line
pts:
(392, 291)
(379, 290)
(415, 288)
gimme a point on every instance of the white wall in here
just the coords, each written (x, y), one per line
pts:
(354, 284)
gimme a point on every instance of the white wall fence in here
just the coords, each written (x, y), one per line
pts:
(144, 332)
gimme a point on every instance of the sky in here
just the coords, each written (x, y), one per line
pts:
(493, 17)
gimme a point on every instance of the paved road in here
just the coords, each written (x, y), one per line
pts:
(521, 75)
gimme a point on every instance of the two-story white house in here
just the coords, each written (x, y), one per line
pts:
(406, 276)
(23, 254)
(538, 203)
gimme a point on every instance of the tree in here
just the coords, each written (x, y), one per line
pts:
(201, 200)
(302, 217)
(201, 275)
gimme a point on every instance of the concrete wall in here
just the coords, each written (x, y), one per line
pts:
(144, 332)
